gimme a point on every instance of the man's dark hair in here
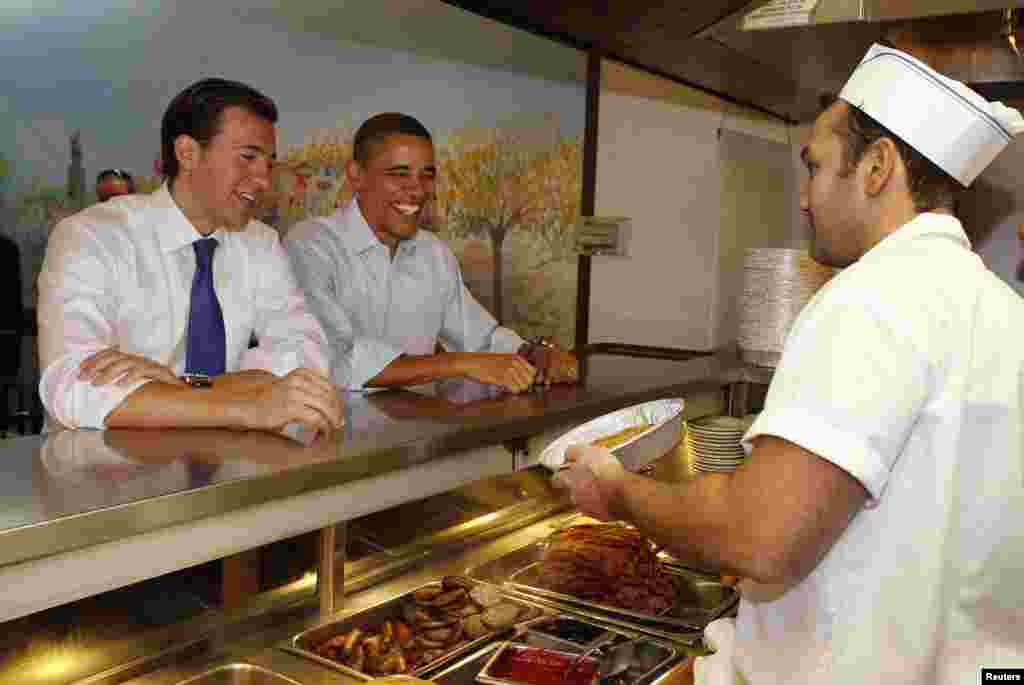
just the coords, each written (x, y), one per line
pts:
(197, 112)
(380, 126)
(930, 187)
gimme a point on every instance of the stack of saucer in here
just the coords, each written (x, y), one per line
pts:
(714, 442)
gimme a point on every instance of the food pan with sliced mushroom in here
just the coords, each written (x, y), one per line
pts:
(415, 632)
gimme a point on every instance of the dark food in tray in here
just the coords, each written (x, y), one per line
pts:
(609, 564)
(432, 622)
(569, 630)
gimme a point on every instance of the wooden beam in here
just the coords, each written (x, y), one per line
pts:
(588, 196)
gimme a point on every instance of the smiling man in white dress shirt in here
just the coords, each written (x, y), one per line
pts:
(387, 291)
(880, 514)
(137, 330)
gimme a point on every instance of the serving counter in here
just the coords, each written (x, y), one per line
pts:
(84, 512)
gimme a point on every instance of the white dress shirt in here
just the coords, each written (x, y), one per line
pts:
(375, 308)
(905, 370)
(119, 275)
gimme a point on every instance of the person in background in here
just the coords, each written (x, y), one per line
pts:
(147, 305)
(878, 518)
(386, 291)
(113, 182)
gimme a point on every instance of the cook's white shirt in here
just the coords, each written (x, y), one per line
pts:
(906, 371)
(375, 308)
(119, 274)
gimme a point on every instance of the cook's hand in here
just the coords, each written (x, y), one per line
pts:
(304, 396)
(555, 366)
(592, 477)
(509, 371)
(110, 365)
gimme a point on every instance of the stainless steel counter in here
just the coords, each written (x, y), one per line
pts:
(91, 500)
(78, 488)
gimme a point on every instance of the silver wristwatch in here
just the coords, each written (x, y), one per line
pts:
(198, 380)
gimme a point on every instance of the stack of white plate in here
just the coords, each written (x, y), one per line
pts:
(714, 442)
(777, 283)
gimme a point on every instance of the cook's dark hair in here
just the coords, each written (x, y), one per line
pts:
(930, 187)
(380, 126)
(197, 112)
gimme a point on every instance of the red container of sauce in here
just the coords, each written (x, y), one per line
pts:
(525, 665)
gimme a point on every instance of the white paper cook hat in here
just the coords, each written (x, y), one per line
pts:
(943, 119)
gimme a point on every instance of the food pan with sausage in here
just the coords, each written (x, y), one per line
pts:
(415, 632)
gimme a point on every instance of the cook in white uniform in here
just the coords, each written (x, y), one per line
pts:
(880, 515)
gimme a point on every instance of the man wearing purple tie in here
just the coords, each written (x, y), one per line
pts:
(147, 306)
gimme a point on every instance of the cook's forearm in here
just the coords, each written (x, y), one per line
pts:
(690, 519)
(773, 520)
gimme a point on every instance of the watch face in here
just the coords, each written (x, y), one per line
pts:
(198, 380)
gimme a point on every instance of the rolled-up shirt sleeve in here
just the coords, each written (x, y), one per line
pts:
(289, 335)
(76, 317)
(355, 360)
(468, 326)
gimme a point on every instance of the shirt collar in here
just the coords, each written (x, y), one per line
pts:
(175, 230)
(925, 224)
(358, 237)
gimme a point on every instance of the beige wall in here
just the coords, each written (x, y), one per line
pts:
(661, 163)
(697, 199)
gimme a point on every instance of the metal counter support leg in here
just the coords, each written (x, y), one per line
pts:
(330, 577)
(739, 399)
(241, 578)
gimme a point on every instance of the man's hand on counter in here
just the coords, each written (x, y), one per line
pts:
(111, 365)
(555, 366)
(509, 371)
(304, 397)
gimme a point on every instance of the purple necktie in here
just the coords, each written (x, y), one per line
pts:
(204, 351)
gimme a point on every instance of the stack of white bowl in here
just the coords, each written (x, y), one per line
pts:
(714, 442)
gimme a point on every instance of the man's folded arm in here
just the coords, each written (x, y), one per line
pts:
(75, 316)
(161, 405)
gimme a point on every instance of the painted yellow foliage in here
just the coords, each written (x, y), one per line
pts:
(148, 184)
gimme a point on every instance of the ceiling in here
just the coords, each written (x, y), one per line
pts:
(781, 71)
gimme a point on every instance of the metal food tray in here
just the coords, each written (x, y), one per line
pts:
(689, 637)
(465, 670)
(701, 599)
(650, 658)
(535, 634)
(573, 658)
(304, 644)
